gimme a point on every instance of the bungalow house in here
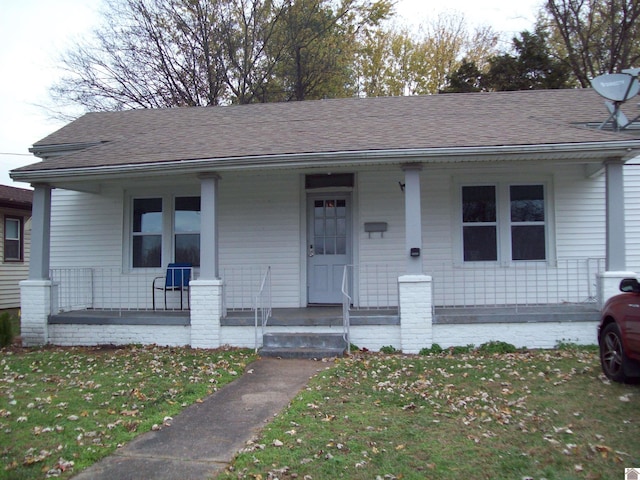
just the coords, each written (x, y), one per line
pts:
(15, 228)
(406, 221)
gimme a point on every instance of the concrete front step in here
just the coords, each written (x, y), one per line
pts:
(303, 345)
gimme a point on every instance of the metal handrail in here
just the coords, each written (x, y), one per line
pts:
(346, 304)
(263, 304)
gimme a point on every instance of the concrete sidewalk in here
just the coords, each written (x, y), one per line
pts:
(205, 437)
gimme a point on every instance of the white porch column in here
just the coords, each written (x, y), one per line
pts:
(209, 268)
(40, 233)
(206, 311)
(608, 284)
(616, 258)
(413, 218)
(206, 293)
(416, 312)
(38, 292)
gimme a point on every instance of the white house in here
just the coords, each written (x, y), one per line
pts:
(452, 219)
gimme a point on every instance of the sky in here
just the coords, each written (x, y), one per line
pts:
(34, 33)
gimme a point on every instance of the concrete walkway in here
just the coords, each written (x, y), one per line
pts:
(205, 437)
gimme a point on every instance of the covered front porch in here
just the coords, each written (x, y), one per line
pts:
(425, 299)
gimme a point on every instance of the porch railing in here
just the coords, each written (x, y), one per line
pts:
(519, 284)
(346, 305)
(263, 305)
(241, 283)
(369, 286)
(105, 289)
(373, 285)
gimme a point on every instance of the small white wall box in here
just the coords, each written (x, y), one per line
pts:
(375, 227)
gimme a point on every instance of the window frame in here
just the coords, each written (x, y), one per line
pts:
(168, 233)
(20, 239)
(503, 219)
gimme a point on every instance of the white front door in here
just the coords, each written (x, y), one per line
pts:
(328, 246)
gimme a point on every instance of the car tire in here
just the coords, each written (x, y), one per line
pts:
(612, 357)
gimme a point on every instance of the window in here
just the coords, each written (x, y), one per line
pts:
(503, 223)
(13, 248)
(527, 222)
(159, 236)
(147, 232)
(479, 224)
(186, 226)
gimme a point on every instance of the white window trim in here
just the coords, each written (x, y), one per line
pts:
(168, 233)
(20, 239)
(503, 217)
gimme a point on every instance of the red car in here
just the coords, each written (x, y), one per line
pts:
(619, 333)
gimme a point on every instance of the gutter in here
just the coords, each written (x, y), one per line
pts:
(623, 150)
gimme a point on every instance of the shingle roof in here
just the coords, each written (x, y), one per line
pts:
(538, 117)
(15, 197)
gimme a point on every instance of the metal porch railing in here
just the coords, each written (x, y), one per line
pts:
(346, 305)
(263, 306)
(565, 281)
(369, 286)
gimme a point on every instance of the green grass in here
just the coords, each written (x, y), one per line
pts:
(537, 414)
(62, 409)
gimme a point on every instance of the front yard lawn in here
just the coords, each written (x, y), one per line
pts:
(538, 414)
(530, 415)
(62, 409)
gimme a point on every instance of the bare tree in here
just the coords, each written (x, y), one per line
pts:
(594, 36)
(147, 54)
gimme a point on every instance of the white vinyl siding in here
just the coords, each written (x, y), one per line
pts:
(632, 214)
(260, 226)
(580, 213)
(86, 229)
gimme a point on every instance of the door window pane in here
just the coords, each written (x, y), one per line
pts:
(330, 227)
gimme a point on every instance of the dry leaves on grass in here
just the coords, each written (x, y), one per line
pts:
(60, 405)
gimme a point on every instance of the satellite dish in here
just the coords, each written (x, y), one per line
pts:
(617, 88)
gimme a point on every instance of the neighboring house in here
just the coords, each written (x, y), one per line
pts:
(15, 228)
(453, 219)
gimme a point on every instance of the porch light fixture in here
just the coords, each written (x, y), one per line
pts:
(401, 186)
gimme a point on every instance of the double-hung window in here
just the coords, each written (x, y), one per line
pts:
(165, 229)
(13, 233)
(504, 222)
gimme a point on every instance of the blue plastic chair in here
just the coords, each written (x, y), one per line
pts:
(176, 280)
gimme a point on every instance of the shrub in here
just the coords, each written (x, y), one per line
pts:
(6, 330)
(497, 347)
(389, 349)
(461, 349)
(435, 349)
